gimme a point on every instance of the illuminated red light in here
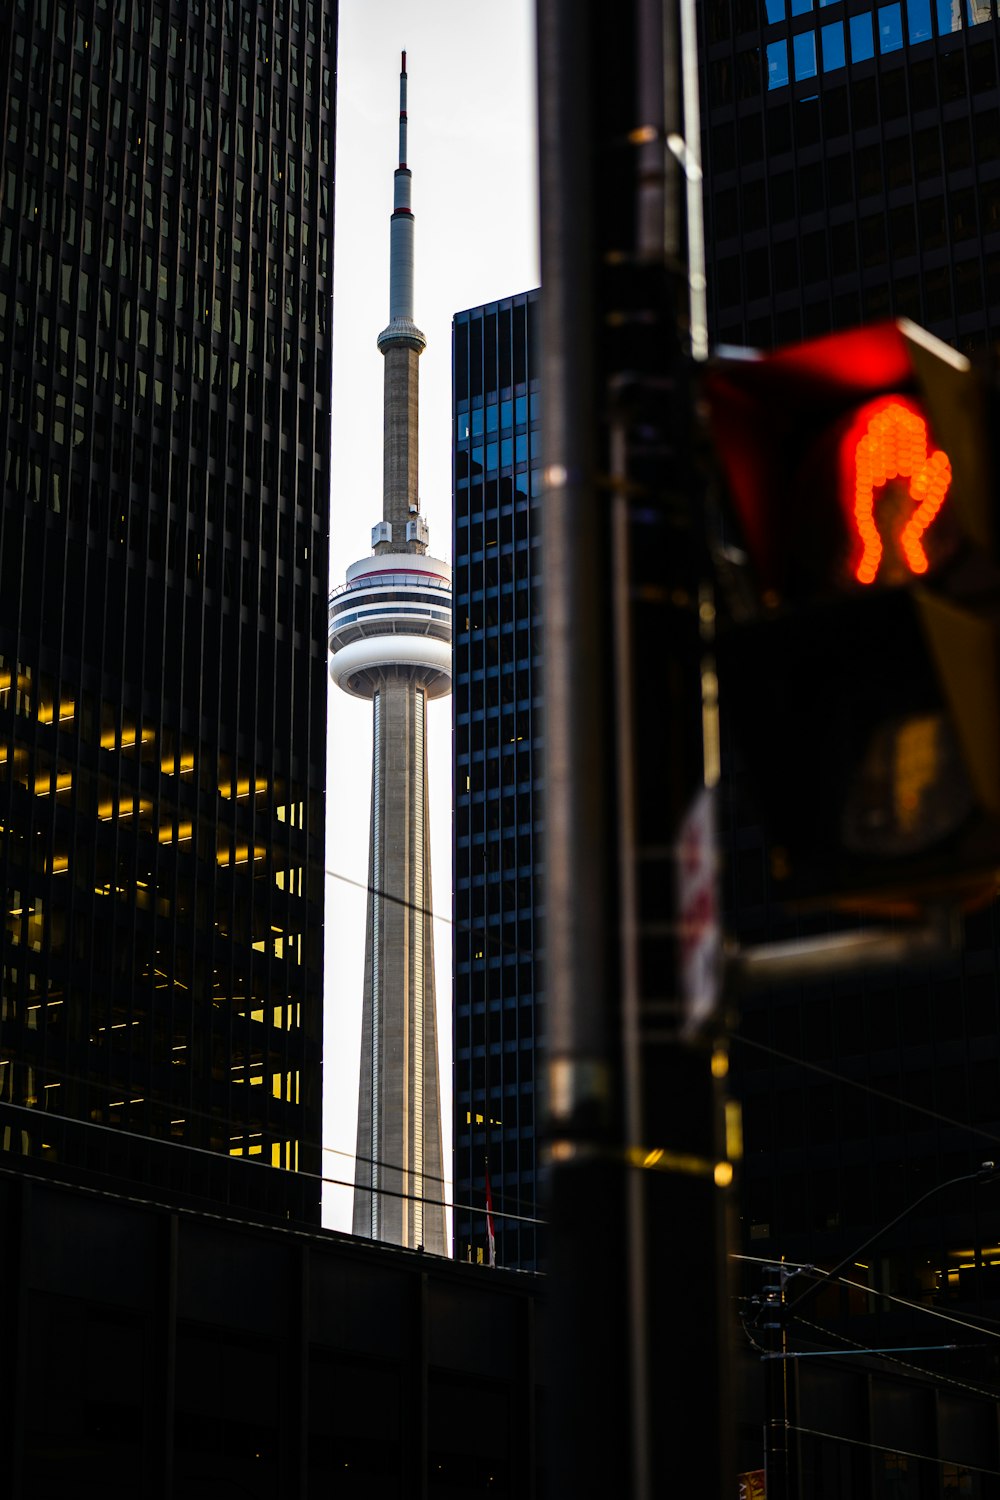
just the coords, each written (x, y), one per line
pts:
(889, 441)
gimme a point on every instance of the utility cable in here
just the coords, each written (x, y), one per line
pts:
(931, 1312)
(218, 1157)
(935, 1375)
(189, 1211)
(930, 1458)
(48, 1070)
(863, 1349)
(462, 924)
(868, 1088)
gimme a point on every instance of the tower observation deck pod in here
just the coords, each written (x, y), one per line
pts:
(392, 611)
(390, 642)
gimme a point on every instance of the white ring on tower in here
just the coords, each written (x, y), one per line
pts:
(393, 611)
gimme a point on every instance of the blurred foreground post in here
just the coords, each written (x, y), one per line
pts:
(638, 1163)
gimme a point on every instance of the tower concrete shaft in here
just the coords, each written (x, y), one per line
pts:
(399, 1179)
(400, 504)
(390, 642)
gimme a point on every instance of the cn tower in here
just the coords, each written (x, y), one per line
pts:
(390, 642)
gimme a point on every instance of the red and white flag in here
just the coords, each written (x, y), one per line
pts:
(489, 1221)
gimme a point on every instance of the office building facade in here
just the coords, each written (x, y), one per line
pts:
(498, 915)
(165, 294)
(852, 161)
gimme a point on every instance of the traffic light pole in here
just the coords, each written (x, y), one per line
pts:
(778, 1373)
(638, 1312)
(776, 1309)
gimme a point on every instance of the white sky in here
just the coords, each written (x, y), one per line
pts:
(471, 144)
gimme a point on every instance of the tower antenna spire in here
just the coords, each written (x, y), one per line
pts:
(402, 111)
(401, 250)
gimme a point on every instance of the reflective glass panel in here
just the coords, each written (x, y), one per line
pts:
(862, 41)
(949, 16)
(833, 46)
(775, 10)
(918, 16)
(801, 7)
(890, 28)
(804, 49)
(777, 64)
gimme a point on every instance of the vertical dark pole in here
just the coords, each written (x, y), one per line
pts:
(166, 1343)
(637, 1290)
(587, 1377)
(777, 1468)
(487, 1047)
(17, 1333)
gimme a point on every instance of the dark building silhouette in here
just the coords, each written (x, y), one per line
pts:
(853, 173)
(166, 220)
(852, 159)
(166, 1352)
(498, 1002)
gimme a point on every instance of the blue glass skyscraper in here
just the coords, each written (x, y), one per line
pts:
(498, 1006)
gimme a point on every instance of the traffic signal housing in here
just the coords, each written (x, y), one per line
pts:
(859, 662)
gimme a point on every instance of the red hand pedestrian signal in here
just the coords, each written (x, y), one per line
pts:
(888, 443)
(859, 660)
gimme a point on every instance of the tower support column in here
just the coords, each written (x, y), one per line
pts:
(399, 1182)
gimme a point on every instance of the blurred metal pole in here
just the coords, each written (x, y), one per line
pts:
(637, 1284)
(587, 1288)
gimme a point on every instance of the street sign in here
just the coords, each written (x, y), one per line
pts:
(698, 915)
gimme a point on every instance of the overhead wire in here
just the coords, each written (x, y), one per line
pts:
(492, 939)
(890, 1358)
(219, 1158)
(463, 924)
(861, 1286)
(868, 1088)
(893, 1359)
(930, 1458)
(204, 1114)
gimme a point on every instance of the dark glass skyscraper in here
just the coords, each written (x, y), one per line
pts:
(852, 159)
(498, 1009)
(166, 217)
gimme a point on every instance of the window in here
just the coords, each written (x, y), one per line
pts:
(843, 248)
(804, 50)
(931, 220)
(862, 43)
(832, 38)
(890, 28)
(777, 64)
(918, 17)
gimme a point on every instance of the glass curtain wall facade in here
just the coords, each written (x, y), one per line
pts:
(166, 219)
(853, 173)
(852, 160)
(498, 1002)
